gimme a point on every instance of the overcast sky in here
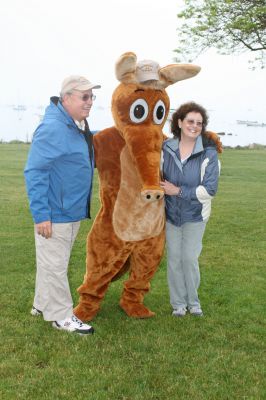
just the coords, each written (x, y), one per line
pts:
(42, 42)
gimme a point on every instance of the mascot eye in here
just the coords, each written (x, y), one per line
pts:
(159, 112)
(138, 111)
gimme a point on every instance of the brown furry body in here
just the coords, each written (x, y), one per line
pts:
(129, 229)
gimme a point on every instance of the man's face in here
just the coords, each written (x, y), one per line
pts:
(78, 104)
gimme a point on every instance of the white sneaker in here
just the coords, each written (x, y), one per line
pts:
(73, 324)
(179, 312)
(35, 312)
(197, 311)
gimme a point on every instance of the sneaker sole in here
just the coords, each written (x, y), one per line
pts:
(76, 331)
(178, 315)
(36, 313)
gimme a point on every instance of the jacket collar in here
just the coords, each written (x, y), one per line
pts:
(173, 144)
(55, 102)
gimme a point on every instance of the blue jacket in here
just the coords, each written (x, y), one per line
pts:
(59, 170)
(197, 177)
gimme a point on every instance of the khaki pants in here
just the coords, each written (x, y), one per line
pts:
(52, 292)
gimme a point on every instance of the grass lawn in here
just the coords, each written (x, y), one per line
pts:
(219, 356)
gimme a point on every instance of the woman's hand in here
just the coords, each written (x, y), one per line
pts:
(169, 188)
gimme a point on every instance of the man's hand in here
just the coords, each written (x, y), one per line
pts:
(169, 188)
(44, 228)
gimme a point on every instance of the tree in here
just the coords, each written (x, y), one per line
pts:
(231, 26)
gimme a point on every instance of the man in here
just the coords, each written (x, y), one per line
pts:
(58, 176)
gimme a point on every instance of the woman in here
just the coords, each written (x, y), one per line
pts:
(190, 173)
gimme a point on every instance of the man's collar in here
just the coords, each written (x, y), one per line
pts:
(81, 125)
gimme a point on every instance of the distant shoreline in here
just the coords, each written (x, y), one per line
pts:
(251, 146)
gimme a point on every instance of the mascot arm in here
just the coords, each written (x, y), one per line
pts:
(108, 144)
(215, 139)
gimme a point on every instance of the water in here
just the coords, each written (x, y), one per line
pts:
(236, 134)
(20, 124)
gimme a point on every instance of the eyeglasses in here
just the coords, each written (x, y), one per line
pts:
(199, 124)
(86, 97)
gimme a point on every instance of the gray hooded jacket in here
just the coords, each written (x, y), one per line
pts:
(197, 176)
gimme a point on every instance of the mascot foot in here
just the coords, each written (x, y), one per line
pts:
(136, 310)
(83, 313)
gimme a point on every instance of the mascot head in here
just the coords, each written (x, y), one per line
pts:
(140, 106)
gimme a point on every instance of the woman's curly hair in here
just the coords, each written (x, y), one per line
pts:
(182, 112)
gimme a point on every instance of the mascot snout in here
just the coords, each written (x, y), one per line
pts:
(150, 195)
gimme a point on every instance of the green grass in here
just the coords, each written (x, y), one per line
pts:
(220, 356)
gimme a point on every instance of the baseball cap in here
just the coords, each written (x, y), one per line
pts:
(77, 82)
(147, 70)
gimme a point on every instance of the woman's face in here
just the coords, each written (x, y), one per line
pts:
(191, 126)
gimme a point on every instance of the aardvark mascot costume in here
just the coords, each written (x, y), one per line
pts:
(128, 232)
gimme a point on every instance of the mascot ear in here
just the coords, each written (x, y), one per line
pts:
(125, 68)
(215, 138)
(177, 72)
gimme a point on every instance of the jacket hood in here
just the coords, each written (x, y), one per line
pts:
(55, 110)
(202, 142)
(208, 142)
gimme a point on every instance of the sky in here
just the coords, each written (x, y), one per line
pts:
(42, 42)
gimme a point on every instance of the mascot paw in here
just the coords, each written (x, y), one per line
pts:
(136, 310)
